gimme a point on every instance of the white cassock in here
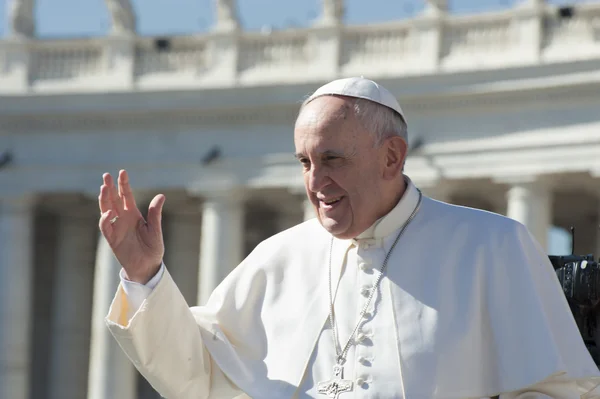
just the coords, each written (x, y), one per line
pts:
(470, 307)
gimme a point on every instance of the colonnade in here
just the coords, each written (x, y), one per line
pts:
(204, 242)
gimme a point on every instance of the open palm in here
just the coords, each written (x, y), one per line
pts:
(137, 243)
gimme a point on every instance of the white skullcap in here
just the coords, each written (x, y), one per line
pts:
(359, 88)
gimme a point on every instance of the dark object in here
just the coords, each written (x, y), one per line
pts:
(566, 12)
(5, 159)
(162, 44)
(579, 277)
(212, 155)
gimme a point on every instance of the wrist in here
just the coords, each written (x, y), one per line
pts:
(142, 277)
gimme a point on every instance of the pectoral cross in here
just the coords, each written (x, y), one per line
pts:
(336, 385)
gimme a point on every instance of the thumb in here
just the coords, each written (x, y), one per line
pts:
(155, 211)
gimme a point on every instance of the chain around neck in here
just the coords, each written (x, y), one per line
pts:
(342, 352)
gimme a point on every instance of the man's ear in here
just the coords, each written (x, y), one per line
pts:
(395, 151)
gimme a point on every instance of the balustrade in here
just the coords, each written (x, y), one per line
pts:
(524, 35)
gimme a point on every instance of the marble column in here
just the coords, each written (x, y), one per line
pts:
(16, 268)
(531, 204)
(182, 249)
(111, 373)
(72, 303)
(222, 240)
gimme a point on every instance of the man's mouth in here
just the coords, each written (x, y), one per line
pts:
(329, 202)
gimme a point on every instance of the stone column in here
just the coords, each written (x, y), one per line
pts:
(72, 303)
(16, 268)
(531, 204)
(182, 249)
(111, 373)
(222, 239)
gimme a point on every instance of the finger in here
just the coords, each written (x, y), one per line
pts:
(117, 204)
(104, 200)
(105, 226)
(125, 191)
(155, 212)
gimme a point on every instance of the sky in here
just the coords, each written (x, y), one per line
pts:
(82, 18)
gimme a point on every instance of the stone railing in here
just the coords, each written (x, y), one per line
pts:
(430, 43)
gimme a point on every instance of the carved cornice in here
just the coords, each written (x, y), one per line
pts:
(462, 98)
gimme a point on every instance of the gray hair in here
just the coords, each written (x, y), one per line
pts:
(381, 121)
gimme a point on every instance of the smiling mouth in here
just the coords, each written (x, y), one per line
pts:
(331, 201)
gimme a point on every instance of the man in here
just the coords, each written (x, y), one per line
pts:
(386, 294)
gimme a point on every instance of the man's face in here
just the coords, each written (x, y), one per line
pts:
(345, 175)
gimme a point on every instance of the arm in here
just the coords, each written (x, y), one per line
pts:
(552, 388)
(164, 343)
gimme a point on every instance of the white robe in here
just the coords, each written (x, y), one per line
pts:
(469, 307)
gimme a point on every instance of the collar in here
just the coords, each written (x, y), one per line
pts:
(389, 223)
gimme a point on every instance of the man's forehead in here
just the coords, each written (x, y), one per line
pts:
(326, 110)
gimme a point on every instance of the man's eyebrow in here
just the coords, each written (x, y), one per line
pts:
(324, 153)
(333, 153)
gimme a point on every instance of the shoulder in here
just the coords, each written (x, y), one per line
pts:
(308, 234)
(453, 216)
(286, 248)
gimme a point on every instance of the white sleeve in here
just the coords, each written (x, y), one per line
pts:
(136, 292)
(552, 388)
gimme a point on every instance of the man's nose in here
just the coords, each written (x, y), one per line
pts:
(318, 178)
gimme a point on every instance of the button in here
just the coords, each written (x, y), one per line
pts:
(367, 315)
(365, 291)
(364, 266)
(361, 337)
(360, 381)
(364, 361)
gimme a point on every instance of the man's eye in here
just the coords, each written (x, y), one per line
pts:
(331, 158)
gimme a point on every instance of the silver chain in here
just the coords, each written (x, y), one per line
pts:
(341, 357)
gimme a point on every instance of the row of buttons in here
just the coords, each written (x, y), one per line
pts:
(365, 291)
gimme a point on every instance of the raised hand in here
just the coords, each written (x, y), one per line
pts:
(137, 243)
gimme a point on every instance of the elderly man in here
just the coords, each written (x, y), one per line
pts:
(386, 294)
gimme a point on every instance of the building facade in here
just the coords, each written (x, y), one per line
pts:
(503, 111)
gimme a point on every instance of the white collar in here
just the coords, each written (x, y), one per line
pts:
(389, 223)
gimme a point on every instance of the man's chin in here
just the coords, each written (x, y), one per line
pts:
(336, 228)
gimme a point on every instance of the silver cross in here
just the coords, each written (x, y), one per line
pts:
(337, 385)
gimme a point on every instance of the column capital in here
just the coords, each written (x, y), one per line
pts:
(225, 193)
(525, 180)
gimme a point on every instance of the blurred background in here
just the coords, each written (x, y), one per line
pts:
(197, 100)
